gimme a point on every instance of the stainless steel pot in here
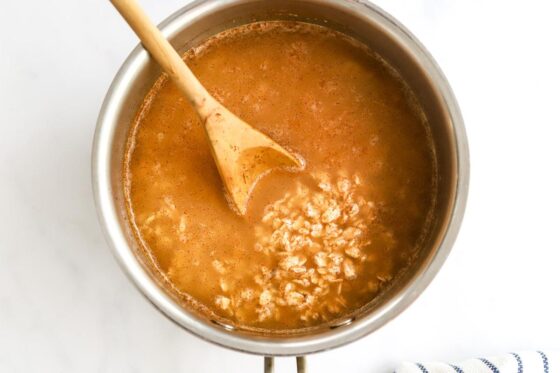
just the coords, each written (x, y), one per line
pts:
(367, 23)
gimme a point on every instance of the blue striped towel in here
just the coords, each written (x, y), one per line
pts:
(521, 362)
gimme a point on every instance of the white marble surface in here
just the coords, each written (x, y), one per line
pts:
(66, 307)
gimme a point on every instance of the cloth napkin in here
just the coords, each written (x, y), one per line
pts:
(520, 362)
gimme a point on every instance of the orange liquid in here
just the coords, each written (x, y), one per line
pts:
(349, 115)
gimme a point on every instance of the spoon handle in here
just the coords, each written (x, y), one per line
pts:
(160, 49)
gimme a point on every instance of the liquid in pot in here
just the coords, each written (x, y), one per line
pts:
(315, 245)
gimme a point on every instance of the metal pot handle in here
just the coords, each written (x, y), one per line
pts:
(269, 364)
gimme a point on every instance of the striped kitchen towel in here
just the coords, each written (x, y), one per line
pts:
(521, 362)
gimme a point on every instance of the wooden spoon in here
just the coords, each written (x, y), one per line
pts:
(243, 154)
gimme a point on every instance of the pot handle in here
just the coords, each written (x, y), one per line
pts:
(269, 364)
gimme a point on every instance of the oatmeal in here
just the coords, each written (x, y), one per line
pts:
(317, 239)
(314, 245)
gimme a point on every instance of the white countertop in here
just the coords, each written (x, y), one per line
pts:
(65, 306)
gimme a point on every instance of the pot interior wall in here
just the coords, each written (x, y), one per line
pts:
(206, 20)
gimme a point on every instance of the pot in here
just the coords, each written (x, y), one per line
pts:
(359, 19)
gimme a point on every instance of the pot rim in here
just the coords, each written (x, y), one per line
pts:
(108, 215)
